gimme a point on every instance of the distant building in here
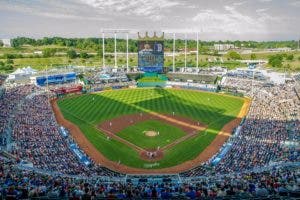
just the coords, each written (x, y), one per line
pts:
(38, 52)
(283, 49)
(6, 42)
(246, 51)
(223, 47)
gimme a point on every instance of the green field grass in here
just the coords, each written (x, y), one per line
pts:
(136, 134)
(210, 108)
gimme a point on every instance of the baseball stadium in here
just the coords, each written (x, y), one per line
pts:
(149, 131)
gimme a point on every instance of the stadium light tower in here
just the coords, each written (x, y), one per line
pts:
(197, 53)
(115, 32)
(116, 64)
(174, 41)
(103, 50)
(127, 64)
(185, 46)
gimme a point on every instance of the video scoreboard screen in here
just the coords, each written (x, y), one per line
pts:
(151, 56)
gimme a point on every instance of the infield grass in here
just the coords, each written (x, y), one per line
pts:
(87, 111)
(136, 134)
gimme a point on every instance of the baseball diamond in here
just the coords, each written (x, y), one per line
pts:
(113, 123)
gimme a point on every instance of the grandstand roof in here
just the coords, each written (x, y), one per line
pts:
(24, 71)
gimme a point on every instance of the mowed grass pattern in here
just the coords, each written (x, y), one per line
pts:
(136, 134)
(89, 110)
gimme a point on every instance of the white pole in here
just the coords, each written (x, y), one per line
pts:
(127, 64)
(174, 38)
(197, 60)
(185, 46)
(116, 50)
(103, 49)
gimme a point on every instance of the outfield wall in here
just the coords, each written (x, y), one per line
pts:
(195, 86)
(152, 84)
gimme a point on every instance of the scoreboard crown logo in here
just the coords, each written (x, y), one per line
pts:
(149, 38)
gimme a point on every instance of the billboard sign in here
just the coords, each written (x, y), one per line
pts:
(151, 56)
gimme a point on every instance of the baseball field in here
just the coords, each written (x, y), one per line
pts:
(125, 125)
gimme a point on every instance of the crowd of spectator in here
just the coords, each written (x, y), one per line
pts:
(272, 123)
(108, 78)
(36, 134)
(279, 183)
(114, 85)
(270, 133)
(38, 140)
(297, 84)
(246, 86)
(65, 86)
(8, 104)
(246, 74)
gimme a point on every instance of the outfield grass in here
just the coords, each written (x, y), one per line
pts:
(136, 134)
(212, 109)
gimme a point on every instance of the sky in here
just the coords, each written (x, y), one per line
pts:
(213, 19)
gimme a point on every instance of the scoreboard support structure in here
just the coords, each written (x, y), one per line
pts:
(154, 39)
(115, 32)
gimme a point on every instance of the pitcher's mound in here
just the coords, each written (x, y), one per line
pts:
(151, 133)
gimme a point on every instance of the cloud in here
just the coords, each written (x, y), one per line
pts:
(219, 19)
(152, 9)
(230, 21)
(260, 10)
(54, 12)
(239, 3)
(264, 1)
(295, 3)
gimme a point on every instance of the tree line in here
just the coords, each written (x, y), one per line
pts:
(95, 44)
(277, 60)
(6, 65)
